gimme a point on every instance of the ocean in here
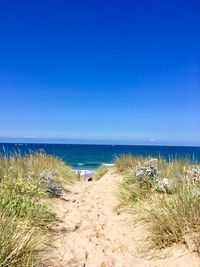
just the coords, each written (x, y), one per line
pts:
(89, 157)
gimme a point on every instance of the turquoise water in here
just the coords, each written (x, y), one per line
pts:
(89, 157)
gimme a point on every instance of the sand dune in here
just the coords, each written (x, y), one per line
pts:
(91, 234)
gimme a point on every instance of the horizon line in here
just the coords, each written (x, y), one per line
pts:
(96, 144)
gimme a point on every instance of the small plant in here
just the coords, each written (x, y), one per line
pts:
(164, 185)
(146, 176)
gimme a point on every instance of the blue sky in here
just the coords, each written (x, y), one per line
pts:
(125, 72)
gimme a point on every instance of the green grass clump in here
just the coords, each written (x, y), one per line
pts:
(101, 171)
(18, 242)
(172, 209)
(24, 216)
(130, 191)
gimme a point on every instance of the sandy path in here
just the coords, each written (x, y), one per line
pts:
(91, 234)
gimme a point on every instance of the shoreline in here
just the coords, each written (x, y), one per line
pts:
(88, 173)
(83, 173)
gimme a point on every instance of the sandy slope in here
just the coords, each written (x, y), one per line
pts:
(91, 234)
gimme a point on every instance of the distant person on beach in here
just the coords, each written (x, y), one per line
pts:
(79, 174)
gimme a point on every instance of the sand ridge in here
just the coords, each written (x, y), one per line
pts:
(91, 234)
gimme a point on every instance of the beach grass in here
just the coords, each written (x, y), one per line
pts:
(168, 196)
(100, 172)
(25, 182)
(124, 163)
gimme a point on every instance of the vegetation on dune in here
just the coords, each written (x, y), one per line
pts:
(125, 163)
(18, 242)
(168, 194)
(24, 182)
(101, 171)
(176, 218)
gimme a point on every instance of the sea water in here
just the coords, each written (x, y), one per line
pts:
(89, 157)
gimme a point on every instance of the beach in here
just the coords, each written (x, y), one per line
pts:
(91, 234)
(100, 133)
(136, 212)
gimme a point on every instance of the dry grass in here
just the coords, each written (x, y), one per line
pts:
(125, 163)
(175, 218)
(172, 214)
(23, 215)
(101, 171)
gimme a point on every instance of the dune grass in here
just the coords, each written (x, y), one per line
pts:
(175, 218)
(168, 197)
(18, 242)
(24, 217)
(101, 171)
(125, 163)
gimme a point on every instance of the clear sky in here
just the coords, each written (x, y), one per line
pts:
(124, 72)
